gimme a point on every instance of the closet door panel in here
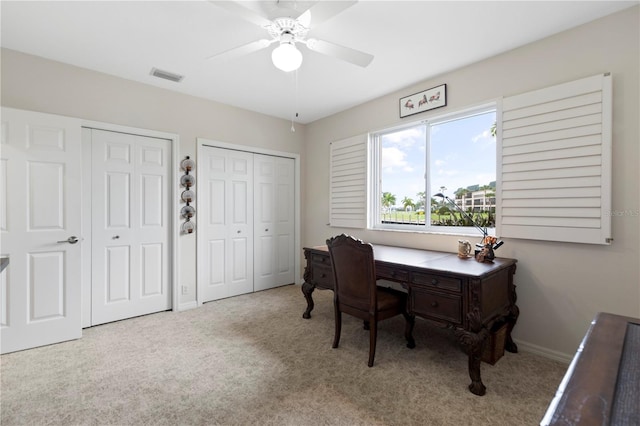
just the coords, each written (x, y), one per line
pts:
(225, 238)
(274, 225)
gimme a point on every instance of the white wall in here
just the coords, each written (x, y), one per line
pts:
(560, 286)
(38, 84)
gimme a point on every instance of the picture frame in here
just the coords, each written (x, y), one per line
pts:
(429, 99)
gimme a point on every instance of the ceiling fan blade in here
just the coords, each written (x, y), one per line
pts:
(245, 49)
(347, 54)
(243, 12)
(324, 10)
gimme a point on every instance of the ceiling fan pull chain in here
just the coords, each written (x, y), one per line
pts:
(295, 78)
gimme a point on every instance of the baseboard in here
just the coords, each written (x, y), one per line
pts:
(187, 305)
(542, 351)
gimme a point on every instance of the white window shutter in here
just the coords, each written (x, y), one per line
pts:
(554, 176)
(348, 182)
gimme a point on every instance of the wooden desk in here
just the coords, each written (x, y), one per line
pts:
(466, 296)
(602, 384)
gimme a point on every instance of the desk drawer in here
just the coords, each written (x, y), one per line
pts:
(437, 282)
(437, 306)
(322, 276)
(392, 274)
(318, 259)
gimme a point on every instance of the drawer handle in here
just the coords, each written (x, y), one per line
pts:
(323, 275)
(434, 304)
(434, 281)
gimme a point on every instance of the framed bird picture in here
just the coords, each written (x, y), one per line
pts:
(435, 97)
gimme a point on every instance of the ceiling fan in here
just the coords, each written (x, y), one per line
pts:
(291, 22)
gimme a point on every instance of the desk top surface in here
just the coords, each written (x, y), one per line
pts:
(602, 383)
(436, 261)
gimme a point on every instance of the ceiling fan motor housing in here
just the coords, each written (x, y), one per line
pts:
(287, 30)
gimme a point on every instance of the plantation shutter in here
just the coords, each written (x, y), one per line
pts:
(555, 169)
(348, 182)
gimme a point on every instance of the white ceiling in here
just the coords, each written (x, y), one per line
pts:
(411, 41)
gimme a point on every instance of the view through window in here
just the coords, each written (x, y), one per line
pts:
(455, 156)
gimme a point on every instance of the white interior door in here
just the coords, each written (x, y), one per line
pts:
(225, 234)
(130, 226)
(40, 221)
(274, 229)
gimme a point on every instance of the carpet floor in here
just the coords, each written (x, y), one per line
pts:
(253, 360)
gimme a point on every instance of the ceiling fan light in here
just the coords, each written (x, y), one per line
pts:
(286, 57)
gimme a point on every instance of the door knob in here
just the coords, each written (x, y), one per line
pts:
(71, 240)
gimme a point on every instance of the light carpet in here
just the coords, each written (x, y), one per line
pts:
(253, 360)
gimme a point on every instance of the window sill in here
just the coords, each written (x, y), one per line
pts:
(450, 231)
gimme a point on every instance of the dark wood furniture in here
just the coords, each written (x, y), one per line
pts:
(356, 292)
(466, 296)
(602, 384)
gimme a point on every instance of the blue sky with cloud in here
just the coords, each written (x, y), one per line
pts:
(462, 154)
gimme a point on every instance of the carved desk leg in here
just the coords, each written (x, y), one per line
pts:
(509, 344)
(472, 341)
(307, 289)
(513, 314)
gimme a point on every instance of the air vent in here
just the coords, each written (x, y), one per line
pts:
(177, 78)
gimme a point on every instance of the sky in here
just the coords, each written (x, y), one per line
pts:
(463, 153)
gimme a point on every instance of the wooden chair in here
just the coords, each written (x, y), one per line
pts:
(356, 292)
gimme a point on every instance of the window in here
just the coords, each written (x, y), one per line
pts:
(553, 169)
(454, 155)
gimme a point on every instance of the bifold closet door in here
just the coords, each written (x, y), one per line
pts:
(274, 229)
(225, 223)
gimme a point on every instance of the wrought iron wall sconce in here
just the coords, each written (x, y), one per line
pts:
(188, 195)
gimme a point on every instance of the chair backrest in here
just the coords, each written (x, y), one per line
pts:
(353, 272)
